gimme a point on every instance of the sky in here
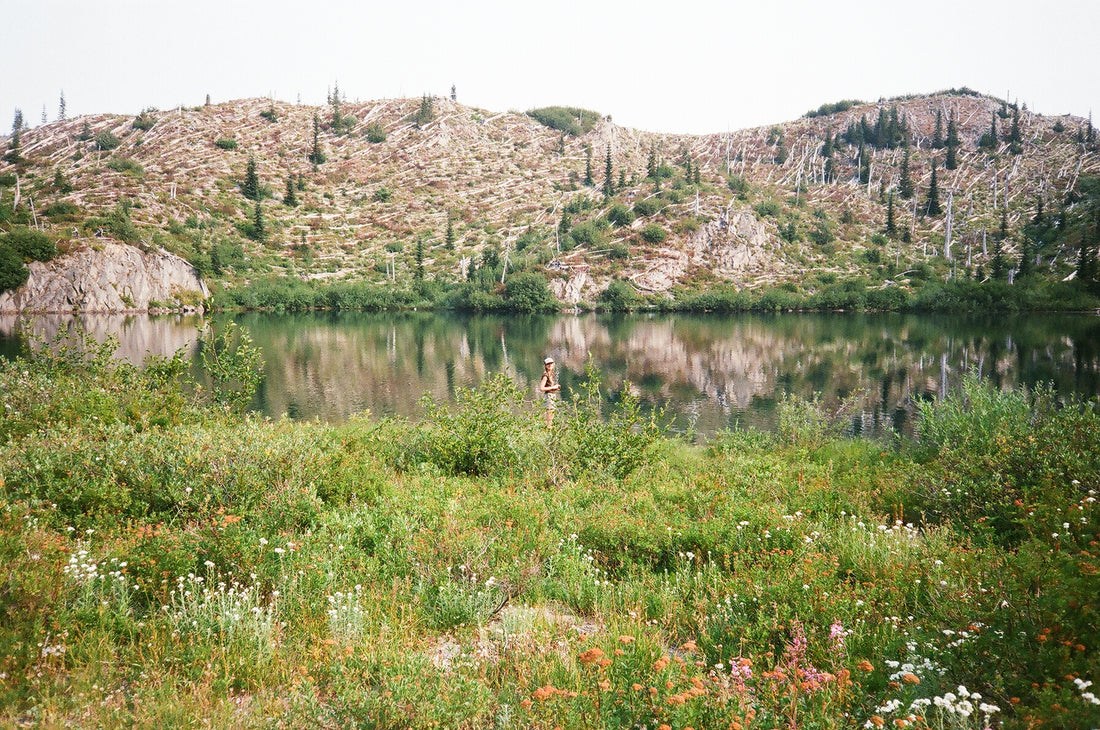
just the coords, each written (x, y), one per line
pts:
(679, 66)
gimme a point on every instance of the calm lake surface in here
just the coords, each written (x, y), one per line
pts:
(710, 372)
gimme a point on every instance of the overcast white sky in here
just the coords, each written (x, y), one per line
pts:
(675, 66)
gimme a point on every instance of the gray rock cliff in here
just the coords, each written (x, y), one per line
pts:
(107, 277)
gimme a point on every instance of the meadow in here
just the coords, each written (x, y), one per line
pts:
(173, 561)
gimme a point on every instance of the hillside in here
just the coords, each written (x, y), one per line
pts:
(477, 189)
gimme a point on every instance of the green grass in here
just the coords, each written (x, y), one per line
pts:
(170, 563)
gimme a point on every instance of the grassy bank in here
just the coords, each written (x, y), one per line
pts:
(172, 563)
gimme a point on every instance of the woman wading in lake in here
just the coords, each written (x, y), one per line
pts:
(549, 387)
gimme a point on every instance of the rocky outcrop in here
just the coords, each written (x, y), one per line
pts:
(108, 277)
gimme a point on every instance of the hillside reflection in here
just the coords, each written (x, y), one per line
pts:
(711, 371)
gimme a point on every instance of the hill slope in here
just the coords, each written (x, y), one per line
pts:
(757, 206)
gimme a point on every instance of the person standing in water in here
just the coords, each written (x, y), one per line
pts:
(549, 387)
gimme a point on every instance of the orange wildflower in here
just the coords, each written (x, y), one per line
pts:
(545, 692)
(591, 655)
(910, 678)
(865, 666)
(605, 685)
(660, 664)
(526, 704)
(878, 721)
(689, 645)
(605, 663)
(635, 686)
(626, 639)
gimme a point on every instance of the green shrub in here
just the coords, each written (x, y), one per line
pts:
(375, 133)
(12, 271)
(528, 292)
(648, 207)
(620, 215)
(587, 234)
(382, 195)
(126, 166)
(226, 144)
(106, 141)
(654, 233)
(29, 243)
(619, 296)
(768, 209)
(144, 121)
(61, 209)
(569, 120)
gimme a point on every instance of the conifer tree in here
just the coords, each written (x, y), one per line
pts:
(651, 163)
(259, 227)
(952, 143)
(419, 273)
(864, 165)
(61, 107)
(454, 93)
(290, 199)
(588, 181)
(937, 136)
(15, 146)
(316, 156)
(622, 179)
(891, 224)
(1027, 252)
(564, 225)
(608, 180)
(337, 117)
(250, 186)
(449, 238)
(426, 113)
(989, 140)
(998, 269)
(301, 183)
(932, 206)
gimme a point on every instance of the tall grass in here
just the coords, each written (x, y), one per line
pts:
(480, 570)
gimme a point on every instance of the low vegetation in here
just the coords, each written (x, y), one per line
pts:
(171, 559)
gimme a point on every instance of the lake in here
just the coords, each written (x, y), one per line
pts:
(709, 371)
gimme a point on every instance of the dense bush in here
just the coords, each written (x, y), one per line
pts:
(587, 234)
(12, 271)
(654, 233)
(126, 166)
(529, 292)
(619, 296)
(106, 141)
(569, 120)
(226, 144)
(648, 207)
(620, 215)
(375, 133)
(768, 209)
(29, 243)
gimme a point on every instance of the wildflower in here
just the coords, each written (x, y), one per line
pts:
(590, 656)
(910, 678)
(876, 721)
(544, 692)
(660, 664)
(865, 666)
(626, 639)
(635, 686)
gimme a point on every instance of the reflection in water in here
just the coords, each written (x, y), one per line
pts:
(139, 336)
(711, 371)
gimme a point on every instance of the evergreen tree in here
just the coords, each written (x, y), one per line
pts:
(989, 140)
(15, 146)
(454, 93)
(651, 163)
(564, 225)
(290, 199)
(301, 183)
(588, 181)
(61, 107)
(932, 206)
(259, 227)
(622, 179)
(998, 269)
(891, 224)
(337, 116)
(937, 136)
(1040, 217)
(426, 113)
(952, 144)
(419, 273)
(608, 180)
(449, 238)
(696, 177)
(250, 186)
(864, 165)
(1014, 135)
(1027, 252)
(316, 156)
